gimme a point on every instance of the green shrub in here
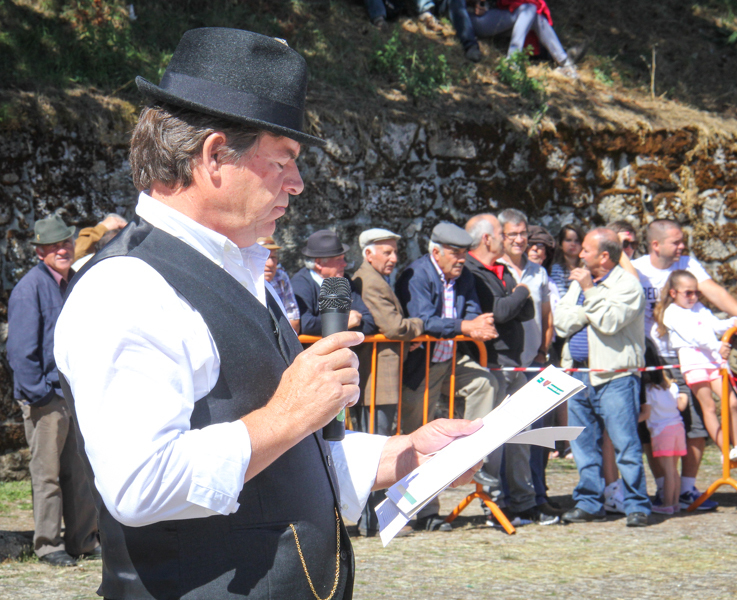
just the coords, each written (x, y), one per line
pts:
(422, 73)
(513, 72)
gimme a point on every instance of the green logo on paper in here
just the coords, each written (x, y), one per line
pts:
(546, 383)
(341, 415)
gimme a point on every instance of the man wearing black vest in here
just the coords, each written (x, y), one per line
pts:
(199, 415)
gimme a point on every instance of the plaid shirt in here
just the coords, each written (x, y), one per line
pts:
(444, 350)
(284, 289)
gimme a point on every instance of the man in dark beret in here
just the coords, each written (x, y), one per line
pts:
(200, 415)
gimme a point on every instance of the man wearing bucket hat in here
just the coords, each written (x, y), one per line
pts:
(325, 257)
(201, 416)
(57, 476)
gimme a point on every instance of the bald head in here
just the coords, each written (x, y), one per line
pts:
(486, 235)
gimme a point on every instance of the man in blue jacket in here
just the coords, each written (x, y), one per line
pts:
(325, 257)
(439, 290)
(59, 484)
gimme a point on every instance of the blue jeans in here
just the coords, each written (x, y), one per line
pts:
(521, 22)
(613, 406)
(375, 9)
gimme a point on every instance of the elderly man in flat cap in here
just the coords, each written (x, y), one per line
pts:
(275, 274)
(371, 281)
(440, 291)
(325, 257)
(200, 414)
(58, 479)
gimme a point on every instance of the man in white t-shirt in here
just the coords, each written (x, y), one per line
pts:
(666, 245)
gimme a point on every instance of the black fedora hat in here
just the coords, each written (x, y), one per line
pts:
(324, 244)
(239, 76)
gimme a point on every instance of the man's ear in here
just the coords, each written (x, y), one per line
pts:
(211, 156)
(318, 266)
(40, 253)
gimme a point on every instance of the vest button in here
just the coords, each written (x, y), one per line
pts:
(343, 555)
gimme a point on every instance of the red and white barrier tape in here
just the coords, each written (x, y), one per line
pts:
(584, 370)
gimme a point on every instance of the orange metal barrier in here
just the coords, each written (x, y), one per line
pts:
(379, 338)
(725, 479)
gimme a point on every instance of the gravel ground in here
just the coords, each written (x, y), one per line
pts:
(687, 556)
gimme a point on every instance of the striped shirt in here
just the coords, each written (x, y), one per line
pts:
(444, 349)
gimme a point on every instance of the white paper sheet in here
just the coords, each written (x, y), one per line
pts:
(535, 399)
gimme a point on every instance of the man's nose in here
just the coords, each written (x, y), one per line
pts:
(293, 183)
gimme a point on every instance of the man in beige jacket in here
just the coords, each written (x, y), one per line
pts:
(603, 317)
(379, 249)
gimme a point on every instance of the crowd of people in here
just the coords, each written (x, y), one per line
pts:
(528, 22)
(578, 300)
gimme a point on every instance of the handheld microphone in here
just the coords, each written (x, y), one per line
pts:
(335, 306)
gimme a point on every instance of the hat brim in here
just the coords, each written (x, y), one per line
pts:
(150, 90)
(308, 254)
(55, 239)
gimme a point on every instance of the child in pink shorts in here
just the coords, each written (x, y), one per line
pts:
(691, 330)
(667, 433)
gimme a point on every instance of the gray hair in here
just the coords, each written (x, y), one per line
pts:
(309, 263)
(371, 247)
(167, 141)
(512, 216)
(432, 245)
(477, 231)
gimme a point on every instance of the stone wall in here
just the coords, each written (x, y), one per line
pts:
(398, 172)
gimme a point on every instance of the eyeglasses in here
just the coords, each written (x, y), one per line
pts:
(688, 293)
(520, 234)
(629, 244)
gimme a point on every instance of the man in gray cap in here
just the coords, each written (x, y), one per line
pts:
(437, 289)
(371, 281)
(57, 476)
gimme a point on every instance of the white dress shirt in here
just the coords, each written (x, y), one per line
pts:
(137, 357)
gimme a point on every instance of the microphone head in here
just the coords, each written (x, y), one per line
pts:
(335, 295)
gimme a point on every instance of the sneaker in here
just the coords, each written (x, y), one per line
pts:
(613, 504)
(733, 458)
(568, 69)
(537, 515)
(664, 510)
(657, 499)
(637, 519)
(689, 497)
(473, 54)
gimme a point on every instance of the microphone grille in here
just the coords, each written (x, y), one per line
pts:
(335, 293)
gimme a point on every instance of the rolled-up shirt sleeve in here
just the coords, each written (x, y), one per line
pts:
(356, 461)
(135, 388)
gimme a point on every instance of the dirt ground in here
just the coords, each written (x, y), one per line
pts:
(687, 556)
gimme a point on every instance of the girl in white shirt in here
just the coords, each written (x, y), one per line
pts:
(692, 330)
(667, 433)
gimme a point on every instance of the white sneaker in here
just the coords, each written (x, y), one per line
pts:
(733, 454)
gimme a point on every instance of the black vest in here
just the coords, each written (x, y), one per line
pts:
(252, 552)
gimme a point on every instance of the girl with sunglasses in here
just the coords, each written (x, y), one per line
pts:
(692, 330)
